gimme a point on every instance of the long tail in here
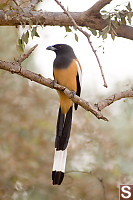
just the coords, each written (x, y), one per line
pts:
(61, 142)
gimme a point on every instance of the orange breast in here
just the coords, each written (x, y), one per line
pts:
(67, 78)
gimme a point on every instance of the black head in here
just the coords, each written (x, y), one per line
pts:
(62, 50)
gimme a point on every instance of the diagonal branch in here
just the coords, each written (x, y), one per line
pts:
(88, 37)
(115, 97)
(15, 67)
(97, 6)
(24, 56)
(95, 109)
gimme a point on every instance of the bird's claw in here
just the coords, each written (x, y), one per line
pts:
(72, 93)
(53, 82)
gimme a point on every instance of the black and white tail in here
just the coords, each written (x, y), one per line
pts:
(61, 142)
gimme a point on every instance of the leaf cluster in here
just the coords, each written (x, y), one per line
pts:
(23, 40)
(115, 19)
(73, 30)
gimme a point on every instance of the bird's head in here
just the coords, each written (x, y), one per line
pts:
(62, 49)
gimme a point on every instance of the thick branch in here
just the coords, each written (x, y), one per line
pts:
(93, 20)
(97, 6)
(15, 67)
(125, 31)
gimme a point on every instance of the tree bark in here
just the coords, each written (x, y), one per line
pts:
(89, 18)
(95, 109)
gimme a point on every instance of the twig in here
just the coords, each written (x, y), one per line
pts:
(103, 186)
(15, 2)
(115, 97)
(26, 55)
(88, 37)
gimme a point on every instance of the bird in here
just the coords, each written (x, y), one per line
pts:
(67, 72)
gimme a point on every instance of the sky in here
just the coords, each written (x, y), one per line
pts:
(116, 59)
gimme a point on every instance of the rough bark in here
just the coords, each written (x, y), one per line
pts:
(89, 18)
(95, 109)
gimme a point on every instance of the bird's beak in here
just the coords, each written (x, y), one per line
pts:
(51, 48)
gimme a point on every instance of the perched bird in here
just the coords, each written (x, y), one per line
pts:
(67, 72)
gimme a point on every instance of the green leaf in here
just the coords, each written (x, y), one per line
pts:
(129, 18)
(34, 32)
(68, 29)
(76, 37)
(103, 11)
(30, 23)
(129, 6)
(103, 50)
(115, 24)
(112, 36)
(104, 32)
(20, 46)
(20, 49)
(104, 36)
(99, 34)
(94, 32)
(106, 29)
(123, 20)
(116, 10)
(25, 37)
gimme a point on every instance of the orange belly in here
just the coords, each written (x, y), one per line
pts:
(66, 77)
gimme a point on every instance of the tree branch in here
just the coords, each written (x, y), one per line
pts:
(26, 55)
(95, 109)
(90, 18)
(115, 97)
(15, 67)
(93, 19)
(97, 7)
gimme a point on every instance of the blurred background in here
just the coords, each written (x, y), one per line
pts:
(100, 154)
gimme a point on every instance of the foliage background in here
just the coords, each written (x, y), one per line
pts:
(100, 154)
